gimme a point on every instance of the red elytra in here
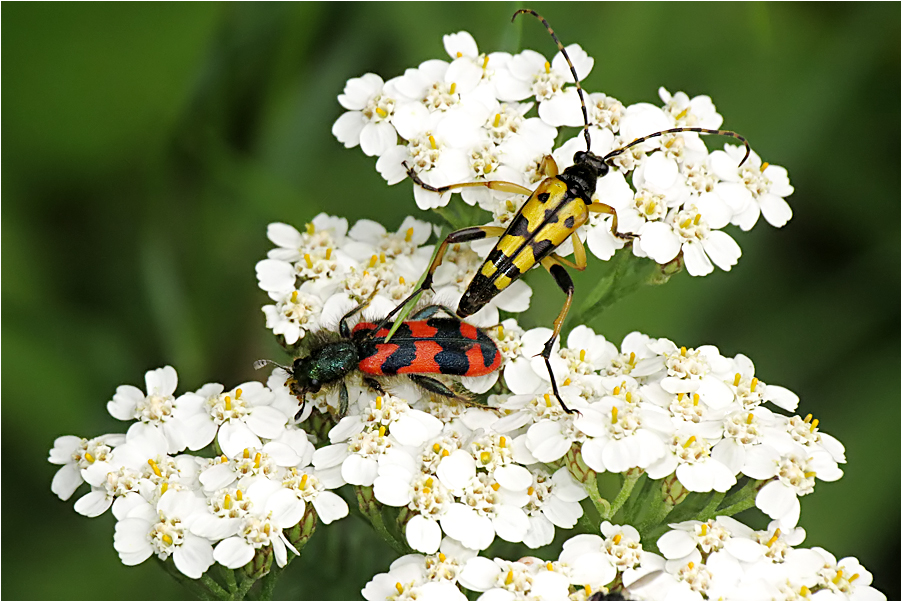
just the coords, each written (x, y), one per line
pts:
(433, 346)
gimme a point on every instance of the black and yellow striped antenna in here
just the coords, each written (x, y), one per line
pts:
(579, 88)
(582, 101)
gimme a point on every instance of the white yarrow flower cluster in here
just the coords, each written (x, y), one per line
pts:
(194, 508)
(720, 559)
(469, 120)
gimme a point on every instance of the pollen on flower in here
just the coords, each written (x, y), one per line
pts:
(424, 152)
(155, 408)
(484, 159)
(441, 96)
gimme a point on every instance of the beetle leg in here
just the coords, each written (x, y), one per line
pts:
(432, 385)
(563, 280)
(373, 384)
(300, 411)
(598, 207)
(343, 329)
(500, 185)
(342, 400)
(548, 167)
(579, 252)
(429, 311)
(464, 235)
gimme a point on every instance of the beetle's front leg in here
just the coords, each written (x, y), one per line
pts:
(599, 207)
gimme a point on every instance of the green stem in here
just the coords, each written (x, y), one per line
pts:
(190, 584)
(269, 583)
(658, 509)
(738, 507)
(231, 583)
(379, 525)
(587, 526)
(710, 509)
(511, 39)
(214, 587)
(629, 481)
(625, 274)
(602, 506)
(750, 488)
(634, 504)
(241, 592)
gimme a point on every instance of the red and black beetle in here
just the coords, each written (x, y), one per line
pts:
(423, 345)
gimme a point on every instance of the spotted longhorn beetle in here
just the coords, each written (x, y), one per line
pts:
(423, 345)
(553, 212)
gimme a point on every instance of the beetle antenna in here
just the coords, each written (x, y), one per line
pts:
(263, 363)
(560, 47)
(621, 150)
(343, 325)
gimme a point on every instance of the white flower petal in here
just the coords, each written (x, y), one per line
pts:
(330, 507)
(233, 552)
(423, 534)
(194, 556)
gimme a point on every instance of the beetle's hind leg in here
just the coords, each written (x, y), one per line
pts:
(563, 280)
(375, 385)
(433, 386)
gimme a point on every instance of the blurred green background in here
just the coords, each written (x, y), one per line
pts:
(146, 148)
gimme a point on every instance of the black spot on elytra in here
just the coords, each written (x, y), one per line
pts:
(520, 227)
(489, 351)
(512, 272)
(569, 222)
(452, 361)
(495, 257)
(549, 213)
(541, 248)
(446, 329)
(401, 358)
(543, 197)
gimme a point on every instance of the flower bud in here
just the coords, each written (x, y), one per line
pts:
(260, 565)
(301, 533)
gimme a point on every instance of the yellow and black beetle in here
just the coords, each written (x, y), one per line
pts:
(560, 204)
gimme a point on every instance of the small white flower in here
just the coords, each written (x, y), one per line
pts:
(795, 470)
(418, 577)
(624, 432)
(689, 457)
(406, 241)
(76, 454)
(134, 468)
(846, 578)
(485, 508)
(553, 502)
(769, 185)
(164, 530)
(262, 527)
(156, 408)
(370, 105)
(533, 75)
(698, 111)
(694, 231)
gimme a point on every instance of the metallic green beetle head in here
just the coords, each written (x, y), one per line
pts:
(324, 366)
